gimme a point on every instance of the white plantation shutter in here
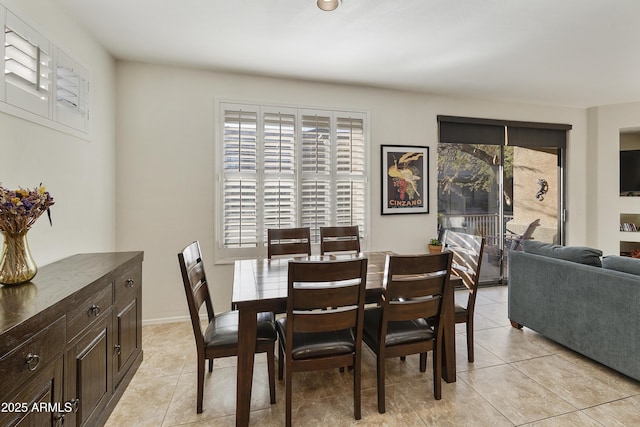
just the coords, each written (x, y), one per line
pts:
(280, 198)
(316, 144)
(316, 172)
(350, 205)
(350, 180)
(279, 143)
(240, 139)
(27, 66)
(72, 92)
(69, 87)
(350, 141)
(241, 213)
(285, 168)
(279, 204)
(316, 205)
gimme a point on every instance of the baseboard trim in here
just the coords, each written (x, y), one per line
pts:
(170, 320)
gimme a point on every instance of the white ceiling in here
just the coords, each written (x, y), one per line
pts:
(578, 53)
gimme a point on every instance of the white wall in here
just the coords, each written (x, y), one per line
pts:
(79, 174)
(608, 205)
(166, 131)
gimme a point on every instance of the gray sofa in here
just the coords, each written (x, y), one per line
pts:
(564, 294)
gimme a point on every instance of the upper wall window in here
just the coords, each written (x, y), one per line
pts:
(286, 167)
(41, 82)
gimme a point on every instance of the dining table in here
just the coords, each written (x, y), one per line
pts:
(260, 285)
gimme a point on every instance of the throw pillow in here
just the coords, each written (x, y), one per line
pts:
(622, 263)
(579, 254)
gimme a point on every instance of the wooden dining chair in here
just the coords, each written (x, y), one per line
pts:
(323, 325)
(467, 259)
(288, 241)
(220, 338)
(416, 286)
(339, 239)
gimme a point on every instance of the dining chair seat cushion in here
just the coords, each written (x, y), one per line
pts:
(460, 310)
(310, 345)
(397, 332)
(223, 329)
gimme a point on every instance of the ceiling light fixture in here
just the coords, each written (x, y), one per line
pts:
(328, 5)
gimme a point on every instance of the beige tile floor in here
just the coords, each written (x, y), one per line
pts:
(519, 378)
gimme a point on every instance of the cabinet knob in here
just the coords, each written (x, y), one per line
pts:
(32, 361)
(118, 349)
(130, 283)
(94, 310)
(59, 419)
(75, 404)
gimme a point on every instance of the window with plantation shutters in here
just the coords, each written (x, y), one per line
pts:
(42, 83)
(287, 167)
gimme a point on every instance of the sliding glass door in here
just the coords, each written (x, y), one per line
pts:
(469, 187)
(504, 189)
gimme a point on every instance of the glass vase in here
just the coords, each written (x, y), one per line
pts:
(16, 263)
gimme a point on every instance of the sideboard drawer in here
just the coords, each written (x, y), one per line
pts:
(30, 357)
(84, 313)
(128, 282)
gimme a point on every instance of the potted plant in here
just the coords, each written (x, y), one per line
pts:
(435, 246)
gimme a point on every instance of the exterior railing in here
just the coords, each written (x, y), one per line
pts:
(486, 225)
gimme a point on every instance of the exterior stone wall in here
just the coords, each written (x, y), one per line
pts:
(530, 165)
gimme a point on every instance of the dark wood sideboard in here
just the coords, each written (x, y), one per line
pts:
(70, 340)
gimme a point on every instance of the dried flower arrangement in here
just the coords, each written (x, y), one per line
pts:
(19, 210)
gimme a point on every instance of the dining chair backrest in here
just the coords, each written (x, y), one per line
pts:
(339, 239)
(326, 296)
(467, 256)
(415, 287)
(467, 259)
(409, 317)
(324, 322)
(288, 241)
(196, 288)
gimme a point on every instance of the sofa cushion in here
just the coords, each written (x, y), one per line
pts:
(622, 263)
(579, 254)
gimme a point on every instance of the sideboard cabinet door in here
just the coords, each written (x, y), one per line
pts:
(88, 377)
(127, 325)
(38, 403)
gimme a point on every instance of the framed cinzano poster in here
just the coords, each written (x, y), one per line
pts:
(405, 179)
